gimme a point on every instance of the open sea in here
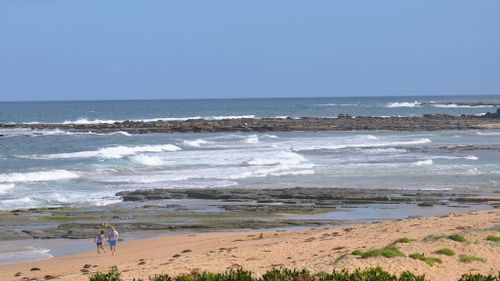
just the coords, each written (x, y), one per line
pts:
(47, 168)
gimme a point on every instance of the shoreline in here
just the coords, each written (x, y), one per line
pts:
(321, 249)
(427, 122)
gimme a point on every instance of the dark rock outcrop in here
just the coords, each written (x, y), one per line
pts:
(342, 123)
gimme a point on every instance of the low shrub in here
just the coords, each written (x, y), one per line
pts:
(479, 277)
(388, 252)
(445, 251)
(160, 277)
(469, 259)
(402, 240)
(457, 237)
(432, 237)
(285, 274)
(493, 238)
(112, 275)
(428, 260)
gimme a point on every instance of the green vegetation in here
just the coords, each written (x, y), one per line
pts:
(428, 260)
(55, 218)
(402, 240)
(432, 237)
(388, 252)
(479, 277)
(112, 275)
(496, 227)
(445, 251)
(493, 238)
(457, 237)
(469, 259)
(285, 274)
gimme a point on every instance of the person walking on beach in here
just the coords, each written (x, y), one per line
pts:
(112, 239)
(99, 240)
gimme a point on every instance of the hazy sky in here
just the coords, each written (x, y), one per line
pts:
(118, 49)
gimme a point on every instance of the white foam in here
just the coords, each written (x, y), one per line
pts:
(369, 137)
(424, 162)
(384, 150)
(252, 139)
(403, 104)
(195, 143)
(51, 175)
(452, 105)
(468, 157)
(24, 255)
(488, 133)
(348, 144)
(27, 132)
(84, 121)
(5, 187)
(147, 160)
(113, 152)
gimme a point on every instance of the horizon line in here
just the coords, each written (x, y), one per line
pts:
(248, 98)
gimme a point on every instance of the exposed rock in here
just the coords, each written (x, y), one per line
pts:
(343, 122)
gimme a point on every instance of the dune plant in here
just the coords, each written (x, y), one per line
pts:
(428, 260)
(388, 252)
(285, 274)
(457, 238)
(112, 275)
(445, 251)
(402, 240)
(161, 277)
(432, 237)
(479, 277)
(493, 238)
(469, 259)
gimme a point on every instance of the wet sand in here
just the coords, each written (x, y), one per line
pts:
(318, 250)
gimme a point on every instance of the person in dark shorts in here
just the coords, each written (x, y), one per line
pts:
(99, 240)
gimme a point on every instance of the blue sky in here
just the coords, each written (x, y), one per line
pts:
(73, 50)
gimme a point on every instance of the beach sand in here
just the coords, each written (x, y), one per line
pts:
(317, 250)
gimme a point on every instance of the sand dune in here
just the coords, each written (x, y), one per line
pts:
(318, 250)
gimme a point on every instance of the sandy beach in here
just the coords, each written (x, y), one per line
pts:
(317, 250)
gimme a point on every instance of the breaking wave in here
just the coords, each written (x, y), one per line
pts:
(452, 105)
(83, 121)
(5, 187)
(488, 133)
(364, 145)
(52, 175)
(147, 160)
(195, 143)
(424, 162)
(252, 139)
(113, 152)
(403, 104)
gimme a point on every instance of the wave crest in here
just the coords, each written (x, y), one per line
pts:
(51, 175)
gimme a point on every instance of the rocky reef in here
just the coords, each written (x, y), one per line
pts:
(341, 123)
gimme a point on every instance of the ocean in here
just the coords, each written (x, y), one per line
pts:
(49, 168)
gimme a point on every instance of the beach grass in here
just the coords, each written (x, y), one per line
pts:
(428, 260)
(432, 237)
(286, 274)
(496, 227)
(276, 274)
(493, 238)
(388, 252)
(457, 238)
(445, 251)
(469, 259)
(403, 240)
